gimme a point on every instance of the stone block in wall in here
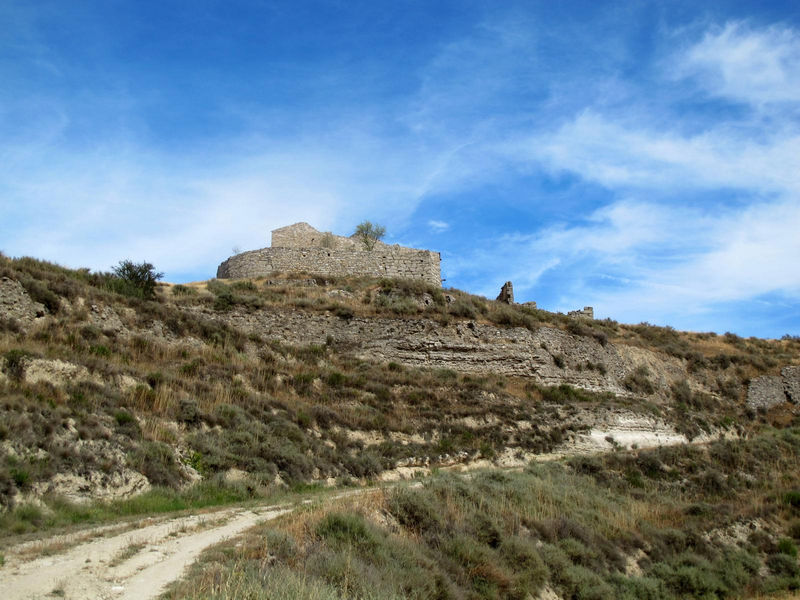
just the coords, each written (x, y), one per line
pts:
(791, 383)
(765, 392)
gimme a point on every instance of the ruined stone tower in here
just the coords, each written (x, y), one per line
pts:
(301, 248)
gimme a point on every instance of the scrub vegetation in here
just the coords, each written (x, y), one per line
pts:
(684, 522)
(108, 384)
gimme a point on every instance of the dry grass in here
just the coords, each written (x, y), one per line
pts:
(571, 530)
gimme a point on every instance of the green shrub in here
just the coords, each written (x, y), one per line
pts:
(100, 350)
(123, 417)
(783, 565)
(794, 529)
(689, 575)
(503, 314)
(156, 461)
(639, 382)
(182, 290)
(582, 583)
(15, 363)
(792, 498)
(343, 312)
(137, 280)
(787, 546)
(348, 529)
(415, 510)
(244, 286)
(30, 514)
(530, 572)
(682, 392)
(638, 588)
(39, 292)
(463, 308)
(336, 379)
(10, 324)
(398, 305)
(20, 476)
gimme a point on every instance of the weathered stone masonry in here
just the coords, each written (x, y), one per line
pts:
(299, 248)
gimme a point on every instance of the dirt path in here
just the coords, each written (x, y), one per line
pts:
(135, 564)
(139, 563)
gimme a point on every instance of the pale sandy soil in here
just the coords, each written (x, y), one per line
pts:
(101, 568)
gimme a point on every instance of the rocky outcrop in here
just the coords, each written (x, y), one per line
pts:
(791, 383)
(15, 303)
(771, 390)
(548, 356)
(765, 392)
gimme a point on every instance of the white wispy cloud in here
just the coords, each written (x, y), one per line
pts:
(669, 257)
(744, 63)
(663, 263)
(91, 210)
(619, 154)
(438, 226)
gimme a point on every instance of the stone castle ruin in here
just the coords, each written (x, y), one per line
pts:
(586, 313)
(301, 248)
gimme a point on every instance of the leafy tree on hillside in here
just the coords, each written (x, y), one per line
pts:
(369, 233)
(135, 279)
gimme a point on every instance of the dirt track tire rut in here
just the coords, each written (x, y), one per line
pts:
(99, 569)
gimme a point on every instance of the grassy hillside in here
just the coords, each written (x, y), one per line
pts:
(105, 392)
(686, 522)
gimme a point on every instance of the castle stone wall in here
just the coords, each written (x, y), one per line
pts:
(303, 235)
(586, 313)
(382, 261)
(771, 390)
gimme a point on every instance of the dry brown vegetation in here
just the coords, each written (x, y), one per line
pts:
(669, 523)
(172, 394)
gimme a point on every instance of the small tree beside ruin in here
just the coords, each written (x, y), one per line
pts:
(369, 234)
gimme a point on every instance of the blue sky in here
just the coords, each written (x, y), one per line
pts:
(639, 157)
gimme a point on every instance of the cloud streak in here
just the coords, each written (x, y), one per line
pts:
(755, 66)
(599, 158)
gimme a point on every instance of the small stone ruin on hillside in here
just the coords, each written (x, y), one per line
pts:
(300, 248)
(771, 390)
(506, 296)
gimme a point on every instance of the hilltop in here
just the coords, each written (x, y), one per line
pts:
(300, 379)
(219, 391)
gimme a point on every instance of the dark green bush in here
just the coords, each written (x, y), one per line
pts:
(787, 546)
(792, 498)
(348, 529)
(156, 461)
(415, 510)
(530, 572)
(463, 308)
(15, 363)
(682, 392)
(188, 412)
(638, 381)
(39, 292)
(137, 280)
(783, 565)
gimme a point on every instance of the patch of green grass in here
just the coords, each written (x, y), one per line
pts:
(61, 512)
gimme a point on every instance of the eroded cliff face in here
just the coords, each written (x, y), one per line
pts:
(549, 356)
(125, 377)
